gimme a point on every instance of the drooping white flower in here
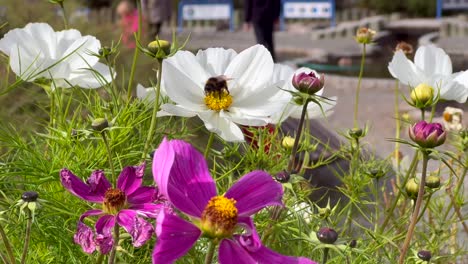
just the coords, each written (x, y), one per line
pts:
(433, 67)
(286, 73)
(223, 88)
(38, 52)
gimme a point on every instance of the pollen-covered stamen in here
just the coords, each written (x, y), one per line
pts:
(217, 95)
(114, 201)
(219, 218)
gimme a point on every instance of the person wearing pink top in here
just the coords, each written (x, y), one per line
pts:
(128, 21)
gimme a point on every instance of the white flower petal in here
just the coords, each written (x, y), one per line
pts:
(184, 84)
(77, 53)
(433, 60)
(96, 77)
(177, 110)
(251, 70)
(405, 71)
(244, 119)
(215, 60)
(454, 89)
(282, 72)
(225, 128)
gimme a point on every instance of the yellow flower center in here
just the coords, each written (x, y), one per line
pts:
(114, 201)
(219, 218)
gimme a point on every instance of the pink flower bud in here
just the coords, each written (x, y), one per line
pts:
(308, 83)
(427, 135)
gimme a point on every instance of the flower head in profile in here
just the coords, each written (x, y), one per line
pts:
(308, 82)
(123, 205)
(365, 35)
(56, 59)
(182, 175)
(292, 109)
(427, 135)
(223, 88)
(432, 68)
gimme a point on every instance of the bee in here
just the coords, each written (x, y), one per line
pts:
(217, 84)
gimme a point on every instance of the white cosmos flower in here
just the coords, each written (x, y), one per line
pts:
(286, 73)
(432, 66)
(149, 93)
(38, 52)
(223, 88)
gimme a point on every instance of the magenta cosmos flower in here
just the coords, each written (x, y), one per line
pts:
(182, 175)
(427, 135)
(122, 205)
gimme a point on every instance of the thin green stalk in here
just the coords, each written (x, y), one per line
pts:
(100, 258)
(116, 244)
(361, 71)
(27, 237)
(325, 255)
(433, 109)
(426, 205)
(417, 207)
(423, 114)
(135, 54)
(7, 244)
(210, 252)
(109, 153)
(208, 145)
(114, 84)
(457, 190)
(52, 109)
(65, 19)
(292, 159)
(153, 124)
(3, 258)
(376, 197)
(397, 197)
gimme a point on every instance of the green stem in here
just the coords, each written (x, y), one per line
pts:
(397, 130)
(210, 252)
(7, 244)
(417, 207)
(114, 84)
(433, 109)
(376, 197)
(116, 244)
(361, 71)
(292, 159)
(99, 259)
(109, 153)
(208, 145)
(325, 255)
(52, 109)
(423, 114)
(457, 190)
(65, 19)
(135, 54)
(425, 207)
(3, 258)
(153, 124)
(27, 237)
(395, 201)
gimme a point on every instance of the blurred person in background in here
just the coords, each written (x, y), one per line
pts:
(156, 12)
(128, 21)
(262, 16)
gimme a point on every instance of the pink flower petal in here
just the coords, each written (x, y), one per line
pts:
(84, 237)
(131, 178)
(92, 191)
(183, 177)
(148, 209)
(139, 229)
(175, 238)
(104, 238)
(230, 252)
(144, 194)
(254, 191)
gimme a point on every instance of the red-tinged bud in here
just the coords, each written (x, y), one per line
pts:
(427, 135)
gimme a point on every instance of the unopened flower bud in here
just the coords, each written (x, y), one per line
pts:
(422, 95)
(160, 48)
(104, 51)
(365, 35)
(99, 124)
(327, 235)
(353, 243)
(412, 188)
(282, 176)
(433, 182)
(288, 142)
(376, 173)
(30, 196)
(324, 212)
(355, 133)
(308, 83)
(405, 47)
(427, 135)
(424, 255)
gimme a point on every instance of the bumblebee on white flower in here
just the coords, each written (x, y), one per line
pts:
(57, 59)
(223, 88)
